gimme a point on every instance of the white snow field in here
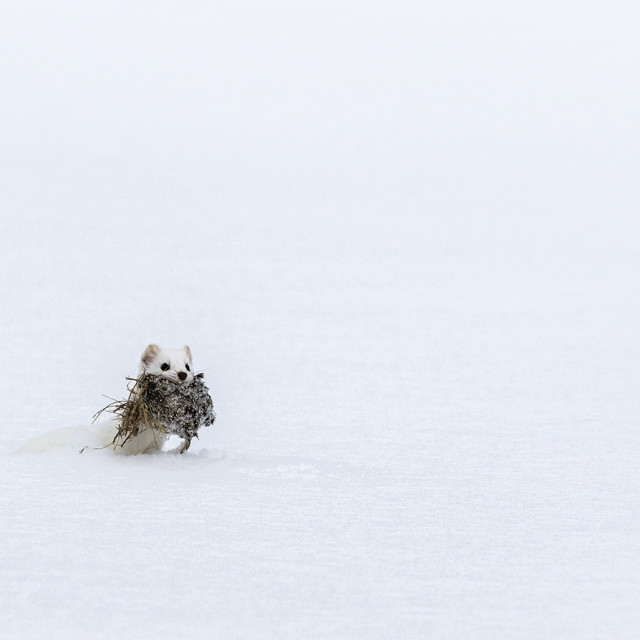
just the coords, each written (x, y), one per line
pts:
(401, 240)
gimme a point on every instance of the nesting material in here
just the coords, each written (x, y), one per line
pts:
(156, 402)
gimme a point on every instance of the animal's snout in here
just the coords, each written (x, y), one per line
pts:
(182, 375)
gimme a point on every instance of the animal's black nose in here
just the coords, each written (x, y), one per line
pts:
(182, 375)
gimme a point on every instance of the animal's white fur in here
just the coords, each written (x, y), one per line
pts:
(179, 361)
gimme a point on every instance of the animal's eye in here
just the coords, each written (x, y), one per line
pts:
(186, 366)
(164, 366)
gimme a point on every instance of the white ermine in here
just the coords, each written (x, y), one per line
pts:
(175, 364)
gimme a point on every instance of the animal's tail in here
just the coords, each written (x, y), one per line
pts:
(75, 438)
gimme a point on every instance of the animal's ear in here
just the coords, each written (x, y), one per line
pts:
(150, 353)
(187, 350)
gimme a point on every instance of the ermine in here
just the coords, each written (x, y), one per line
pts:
(174, 364)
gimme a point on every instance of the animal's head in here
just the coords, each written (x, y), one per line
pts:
(175, 364)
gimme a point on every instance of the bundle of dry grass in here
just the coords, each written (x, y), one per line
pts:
(156, 402)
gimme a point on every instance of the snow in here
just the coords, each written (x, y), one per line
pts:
(401, 241)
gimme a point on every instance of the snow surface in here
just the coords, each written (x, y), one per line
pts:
(401, 240)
